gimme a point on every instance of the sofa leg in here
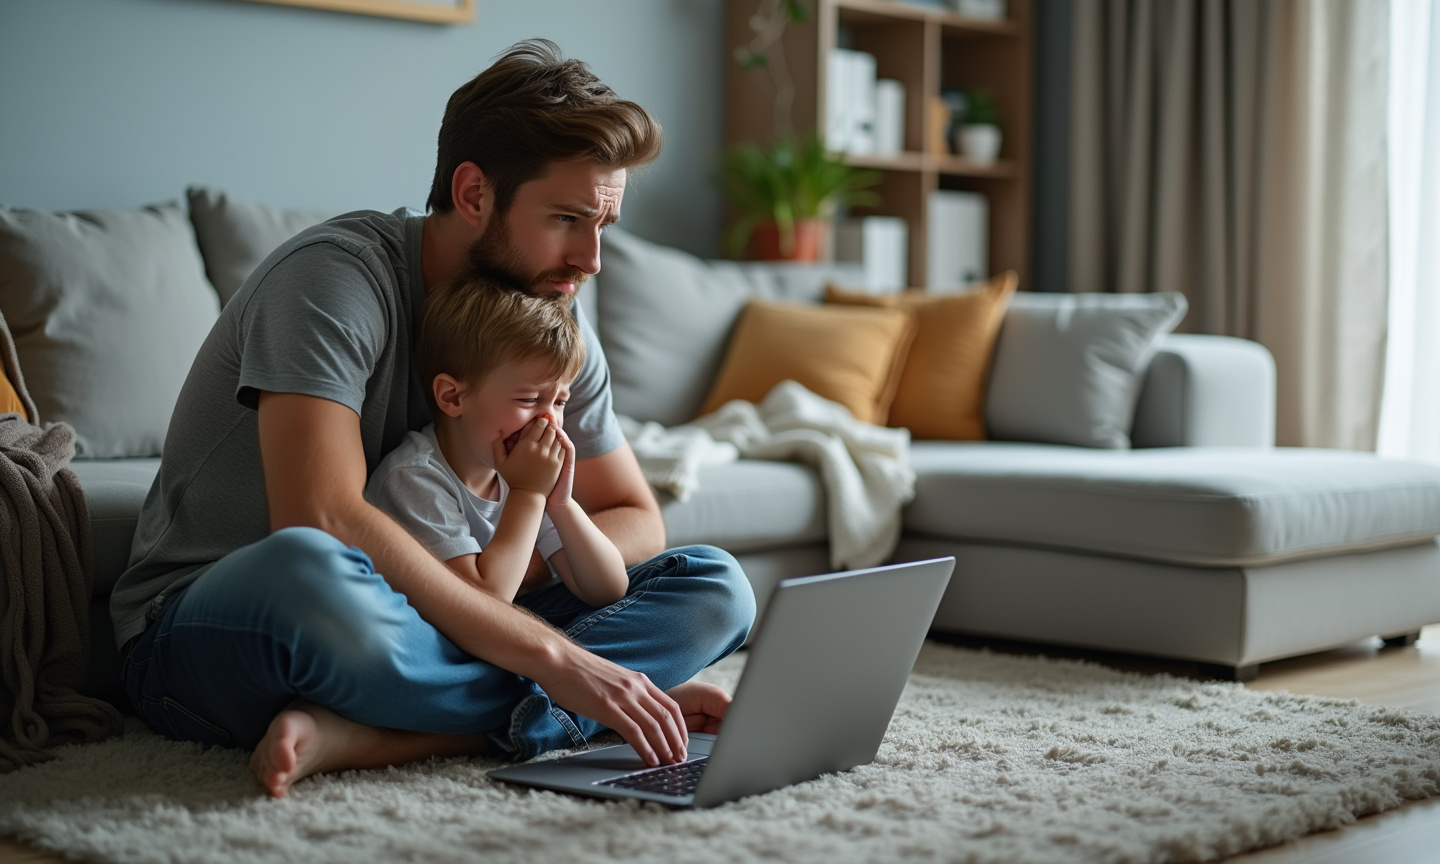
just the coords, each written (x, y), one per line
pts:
(1404, 640)
(1230, 673)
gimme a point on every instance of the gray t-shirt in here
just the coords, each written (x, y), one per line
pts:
(416, 486)
(331, 313)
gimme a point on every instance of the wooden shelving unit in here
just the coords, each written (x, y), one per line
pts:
(929, 50)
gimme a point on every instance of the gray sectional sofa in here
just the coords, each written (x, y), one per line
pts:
(1198, 540)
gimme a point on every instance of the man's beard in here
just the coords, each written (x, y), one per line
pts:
(495, 257)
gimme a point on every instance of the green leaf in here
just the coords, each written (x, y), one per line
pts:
(981, 107)
(749, 60)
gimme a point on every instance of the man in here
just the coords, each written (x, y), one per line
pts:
(268, 605)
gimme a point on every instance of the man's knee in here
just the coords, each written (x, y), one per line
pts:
(729, 595)
(302, 562)
(316, 597)
(298, 583)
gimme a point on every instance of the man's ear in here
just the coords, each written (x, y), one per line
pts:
(447, 394)
(471, 191)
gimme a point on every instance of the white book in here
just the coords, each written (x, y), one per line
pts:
(838, 118)
(993, 10)
(889, 117)
(958, 238)
(881, 245)
(850, 101)
(862, 95)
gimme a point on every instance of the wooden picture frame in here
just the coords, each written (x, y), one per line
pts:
(453, 12)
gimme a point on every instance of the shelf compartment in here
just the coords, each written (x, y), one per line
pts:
(951, 22)
(897, 162)
(956, 166)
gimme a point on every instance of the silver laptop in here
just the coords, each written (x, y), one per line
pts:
(825, 671)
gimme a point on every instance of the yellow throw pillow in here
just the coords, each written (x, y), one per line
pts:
(942, 385)
(848, 355)
(10, 399)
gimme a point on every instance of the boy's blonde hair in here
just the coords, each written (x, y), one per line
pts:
(472, 327)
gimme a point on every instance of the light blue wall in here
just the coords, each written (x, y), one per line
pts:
(118, 103)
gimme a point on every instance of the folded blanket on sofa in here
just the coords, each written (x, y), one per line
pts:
(46, 570)
(865, 468)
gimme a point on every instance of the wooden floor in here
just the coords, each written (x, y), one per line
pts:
(1403, 677)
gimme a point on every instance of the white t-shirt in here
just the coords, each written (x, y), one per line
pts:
(416, 486)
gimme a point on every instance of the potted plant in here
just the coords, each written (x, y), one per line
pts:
(980, 131)
(785, 195)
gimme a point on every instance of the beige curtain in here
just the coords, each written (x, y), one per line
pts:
(1235, 150)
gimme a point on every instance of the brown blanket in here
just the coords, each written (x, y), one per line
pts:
(46, 568)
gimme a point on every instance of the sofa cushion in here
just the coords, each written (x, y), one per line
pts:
(14, 398)
(847, 354)
(9, 398)
(235, 236)
(114, 490)
(664, 318)
(749, 506)
(108, 309)
(1192, 505)
(1068, 367)
(941, 393)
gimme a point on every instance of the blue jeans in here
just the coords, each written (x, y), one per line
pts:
(300, 615)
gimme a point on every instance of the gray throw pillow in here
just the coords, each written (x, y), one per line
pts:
(235, 236)
(1068, 367)
(665, 316)
(108, 309)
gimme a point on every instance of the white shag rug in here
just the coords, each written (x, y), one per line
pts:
(990, 758)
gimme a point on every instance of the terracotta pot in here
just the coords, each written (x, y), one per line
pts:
(765, 242)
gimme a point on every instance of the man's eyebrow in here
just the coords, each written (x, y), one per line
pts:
(588, 212)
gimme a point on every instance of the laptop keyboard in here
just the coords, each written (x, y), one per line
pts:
(676, 780)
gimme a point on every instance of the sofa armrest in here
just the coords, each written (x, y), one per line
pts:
(1207, 391)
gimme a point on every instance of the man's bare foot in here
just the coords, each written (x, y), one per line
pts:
(704, 705)
(307, 739)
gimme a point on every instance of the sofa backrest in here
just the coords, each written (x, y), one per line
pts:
(109, 307)
(665, 317)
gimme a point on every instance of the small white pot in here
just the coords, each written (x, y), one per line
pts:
(980, 142)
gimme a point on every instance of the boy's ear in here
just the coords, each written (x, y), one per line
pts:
(447, 394)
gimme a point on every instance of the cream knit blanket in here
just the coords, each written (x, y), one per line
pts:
(865, 468)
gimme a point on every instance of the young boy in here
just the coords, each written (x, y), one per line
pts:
(482, 487)
(489, 481)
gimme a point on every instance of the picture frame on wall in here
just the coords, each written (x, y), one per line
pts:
(428, 11)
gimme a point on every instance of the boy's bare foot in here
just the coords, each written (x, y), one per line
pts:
(307, 739)
(704, 705)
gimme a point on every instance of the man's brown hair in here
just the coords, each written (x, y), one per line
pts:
(469, 329)
(530, 108)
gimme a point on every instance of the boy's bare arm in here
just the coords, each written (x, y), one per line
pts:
(500, 567)
(589, 564)
(314, 466)
(530, 468)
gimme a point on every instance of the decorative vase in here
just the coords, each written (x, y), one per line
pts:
(980, 142)
(766, 243)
